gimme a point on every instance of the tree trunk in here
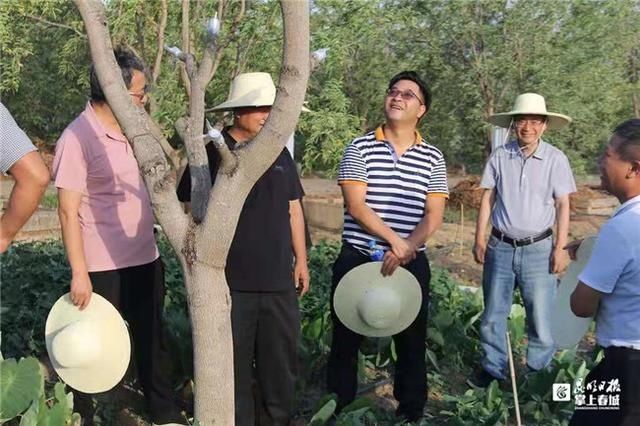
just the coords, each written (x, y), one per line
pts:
(203, 248)
(210, 311)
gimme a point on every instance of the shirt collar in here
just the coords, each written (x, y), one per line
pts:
(540, 152)
(379, 133)
(97, 125)
(626, 204)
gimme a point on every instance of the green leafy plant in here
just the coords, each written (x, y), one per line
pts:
(23, 396)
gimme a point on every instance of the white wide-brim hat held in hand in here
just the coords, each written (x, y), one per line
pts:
(89, 349)
(373, 305)
(566, 328)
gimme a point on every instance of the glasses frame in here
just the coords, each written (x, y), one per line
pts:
(406, 95)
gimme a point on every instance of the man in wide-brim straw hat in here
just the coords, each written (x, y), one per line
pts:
(526, 184)
(267, 261)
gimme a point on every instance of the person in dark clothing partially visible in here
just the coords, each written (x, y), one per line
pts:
(267, 262)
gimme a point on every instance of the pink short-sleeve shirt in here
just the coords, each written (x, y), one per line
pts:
(115, 211)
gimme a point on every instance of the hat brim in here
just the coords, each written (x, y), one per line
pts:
(554, 120)
(112, 364)
(358, 281)
(235, 104)
(566, 328)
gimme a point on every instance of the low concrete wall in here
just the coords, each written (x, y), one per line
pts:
(325, 213)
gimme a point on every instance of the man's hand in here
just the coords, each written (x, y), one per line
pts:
(390, 263)
(301, 278)
(559, 260)
(81, 290)
(479, 250)
(572, 248)
(403, 250)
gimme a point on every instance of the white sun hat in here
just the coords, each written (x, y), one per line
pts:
(251, 89)
(376, 306)
(566, 328)
(532, 104)
(89, 349)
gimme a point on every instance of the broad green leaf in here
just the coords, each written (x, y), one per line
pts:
(20, 383)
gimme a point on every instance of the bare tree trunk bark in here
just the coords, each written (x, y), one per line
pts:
(636, 105)
(210, 310)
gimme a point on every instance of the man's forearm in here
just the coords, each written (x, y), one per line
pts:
(562, 222)
(73, 244)
(372, 223)
(484, 214)
(298, 239)
(429, 224)
(31, 180)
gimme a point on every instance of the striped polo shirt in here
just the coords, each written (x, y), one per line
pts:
(397, 186)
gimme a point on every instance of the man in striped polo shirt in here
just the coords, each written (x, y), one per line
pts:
(394, 186)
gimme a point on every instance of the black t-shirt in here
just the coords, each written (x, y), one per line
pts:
(260, 258)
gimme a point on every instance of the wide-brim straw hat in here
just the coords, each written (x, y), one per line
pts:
(373, 305)
(530, 104)
(568, 329)
(252, 89)
(89, 349)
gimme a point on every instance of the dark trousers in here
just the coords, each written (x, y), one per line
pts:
(622, 364)
(137, 293)
(266, 330)
(410, 387)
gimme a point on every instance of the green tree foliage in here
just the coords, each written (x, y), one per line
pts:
(582, 55)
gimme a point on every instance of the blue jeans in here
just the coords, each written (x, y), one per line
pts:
(527, 267)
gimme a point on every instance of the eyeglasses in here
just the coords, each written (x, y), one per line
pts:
(406, 95)
(535, 122)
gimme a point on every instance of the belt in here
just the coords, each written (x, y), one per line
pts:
(519, 242)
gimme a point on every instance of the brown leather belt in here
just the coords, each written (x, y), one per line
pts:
(520, 242)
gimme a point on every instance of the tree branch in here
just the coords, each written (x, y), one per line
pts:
(184, 74)
(162, 25)
(228, 161)
(55, 24)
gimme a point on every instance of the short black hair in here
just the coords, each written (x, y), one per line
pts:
(413, 76)
(628, 133)
(127, 61)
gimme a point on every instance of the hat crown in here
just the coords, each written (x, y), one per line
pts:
(250, 90)
(530, 103)
(77, 344)
(379, 307)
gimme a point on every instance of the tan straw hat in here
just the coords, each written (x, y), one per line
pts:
(532, 104)
(377, 306)
(252, 89)
(89, 349)
(566, 328)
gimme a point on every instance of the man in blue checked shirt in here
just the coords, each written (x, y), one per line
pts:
(394, 186)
